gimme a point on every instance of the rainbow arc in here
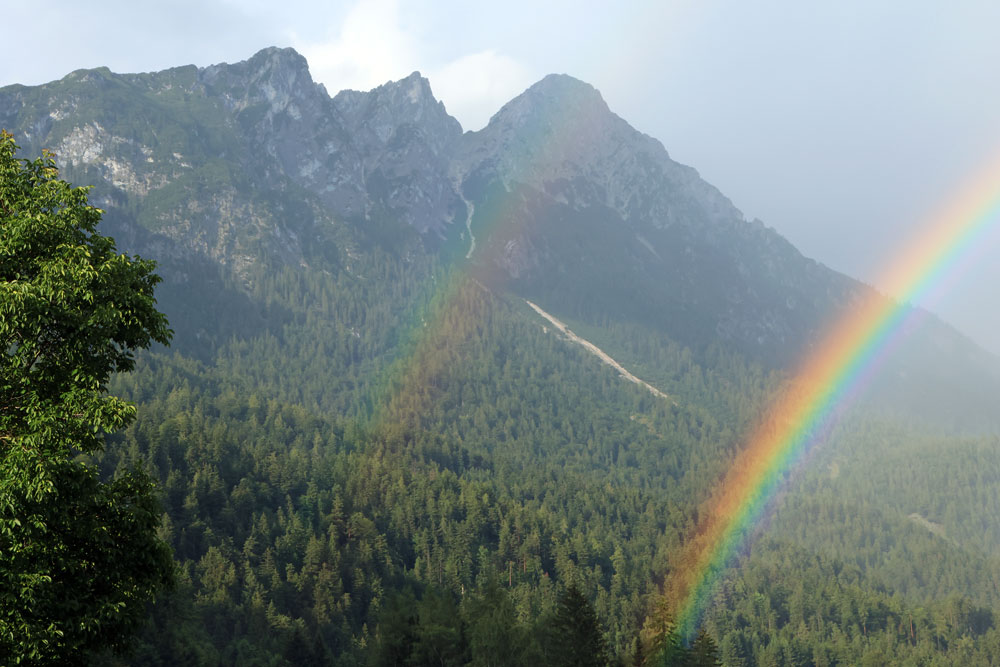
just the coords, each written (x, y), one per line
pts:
(824, 385)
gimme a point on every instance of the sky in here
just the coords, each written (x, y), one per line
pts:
(846, 126)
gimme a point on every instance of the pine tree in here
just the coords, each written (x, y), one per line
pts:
(496, 638)
(703, 652)
(576, 633)
(665, 647)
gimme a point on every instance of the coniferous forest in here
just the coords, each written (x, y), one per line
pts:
(494, 521)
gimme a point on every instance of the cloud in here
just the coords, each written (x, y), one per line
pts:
(370, 48)
(374, 44)
(475, 86)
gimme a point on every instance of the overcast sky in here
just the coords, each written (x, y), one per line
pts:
(844, 125)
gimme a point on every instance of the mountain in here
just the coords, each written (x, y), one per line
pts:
(610, 226)
(358, 399)
(581, 210)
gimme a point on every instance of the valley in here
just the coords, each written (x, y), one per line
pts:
(369, 451)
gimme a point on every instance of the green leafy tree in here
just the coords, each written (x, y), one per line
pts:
(79, 558)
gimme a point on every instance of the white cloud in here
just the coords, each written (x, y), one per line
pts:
(374, 44)
(475, 86)
(371, 47)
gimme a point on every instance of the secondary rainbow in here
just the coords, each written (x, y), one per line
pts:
(810, 403)
(436, 332)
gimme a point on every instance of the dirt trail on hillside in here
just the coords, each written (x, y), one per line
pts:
(598, 352)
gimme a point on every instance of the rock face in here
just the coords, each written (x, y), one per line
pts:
(404, 140)
(565, 203)
(560, 134)
(230, 160)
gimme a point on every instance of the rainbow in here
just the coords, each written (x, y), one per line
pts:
(831, 375)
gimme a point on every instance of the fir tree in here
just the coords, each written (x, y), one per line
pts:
(576, 634)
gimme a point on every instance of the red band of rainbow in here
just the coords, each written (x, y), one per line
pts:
(833, 372)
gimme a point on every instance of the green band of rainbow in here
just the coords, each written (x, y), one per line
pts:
(832, 373)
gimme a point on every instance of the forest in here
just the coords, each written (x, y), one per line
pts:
(394, 497)
(381, 457)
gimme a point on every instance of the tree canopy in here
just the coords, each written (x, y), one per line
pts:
(79, 557)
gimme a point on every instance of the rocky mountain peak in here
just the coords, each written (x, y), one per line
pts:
(556, 97)
(409, 101)
(403, 140)
(274, 57)
(558, 104)
(281, 68)
(272, 76)
(284, 63)
(561, 136)
(416, 88)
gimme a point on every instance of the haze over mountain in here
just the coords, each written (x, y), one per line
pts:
(738, 92)
(358, 399)
(573, 207)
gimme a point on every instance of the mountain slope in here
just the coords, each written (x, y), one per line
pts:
(605, 222)
(572, 207)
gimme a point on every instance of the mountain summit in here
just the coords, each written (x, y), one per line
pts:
(555, 95)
